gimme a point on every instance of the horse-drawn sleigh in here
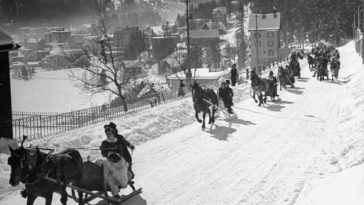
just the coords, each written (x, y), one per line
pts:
(46, 173)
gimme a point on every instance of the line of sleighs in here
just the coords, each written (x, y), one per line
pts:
(45, 173)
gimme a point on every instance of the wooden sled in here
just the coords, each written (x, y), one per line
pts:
(228, 117)
(93, 195)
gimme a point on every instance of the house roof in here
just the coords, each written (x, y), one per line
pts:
(269, 21)
(200, 73)
(214, 25)
(219, 9)
(212, 33)
(6, 42)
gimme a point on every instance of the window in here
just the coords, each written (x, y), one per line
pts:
(270, 53)
(270, 34)
(270, 43)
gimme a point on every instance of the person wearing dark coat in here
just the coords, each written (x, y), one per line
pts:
(233, 74)
(181, 92)
(229, 94)
(273, 84)
(116, 143)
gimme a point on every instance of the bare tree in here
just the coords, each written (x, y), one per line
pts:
(103, 62)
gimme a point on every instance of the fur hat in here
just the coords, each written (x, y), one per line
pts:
(111, 127)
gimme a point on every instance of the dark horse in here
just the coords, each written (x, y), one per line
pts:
(200, 96)
(285, 77)
(31, 167)
(259, 86)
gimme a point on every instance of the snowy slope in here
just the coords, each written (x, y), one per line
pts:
(275, 154)
(51, 91)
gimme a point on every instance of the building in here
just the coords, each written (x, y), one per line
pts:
(163, 46)
(202, 76)
(219, 15)
(264, 38)
(205, 42)
(215, 25)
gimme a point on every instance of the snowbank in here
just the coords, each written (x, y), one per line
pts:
(339, 181)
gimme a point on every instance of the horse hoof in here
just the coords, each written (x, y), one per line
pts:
(199, 121)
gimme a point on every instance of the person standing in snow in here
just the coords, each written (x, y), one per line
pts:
(233, 74)
(229, 94)
(181, 92)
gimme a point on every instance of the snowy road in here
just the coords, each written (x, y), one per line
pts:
(265, 157)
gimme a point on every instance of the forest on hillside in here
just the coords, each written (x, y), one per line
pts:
(317, 19)
(57, 12)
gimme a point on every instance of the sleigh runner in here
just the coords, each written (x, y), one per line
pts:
(229, 117)
(94, 195)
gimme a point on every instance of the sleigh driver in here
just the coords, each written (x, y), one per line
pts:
(118, 163)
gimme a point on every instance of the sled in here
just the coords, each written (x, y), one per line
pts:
(229, 117)
(93, 195)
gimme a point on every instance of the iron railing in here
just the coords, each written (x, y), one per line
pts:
(39, 126)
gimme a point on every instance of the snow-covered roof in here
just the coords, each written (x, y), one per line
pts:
(6, 42)
(201, 73)
(264, 21)
(212, 33)
(214, 25)
(220, 10)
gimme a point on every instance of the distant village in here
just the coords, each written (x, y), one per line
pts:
(213, 45)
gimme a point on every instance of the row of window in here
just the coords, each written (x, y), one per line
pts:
(269, 43)
(270, 52)
(270, 34)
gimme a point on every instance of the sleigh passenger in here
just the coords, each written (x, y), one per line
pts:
(118, 163)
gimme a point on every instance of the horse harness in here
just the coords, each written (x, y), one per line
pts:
(41, 170)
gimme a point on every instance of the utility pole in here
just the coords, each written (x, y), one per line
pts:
(189, 73)
(256, 37)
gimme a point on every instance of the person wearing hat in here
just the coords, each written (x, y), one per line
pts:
(221, 94)
(234, 74)
(116, 144)
(273, 84)
(229, 97)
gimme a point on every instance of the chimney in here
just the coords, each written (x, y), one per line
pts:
(275, 12)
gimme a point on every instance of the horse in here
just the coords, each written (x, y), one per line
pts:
(295, 67)
(285, 77)
(334, 68)
(31, 167)
(321, 72)
(104, 175)
(200, 96)
(259, 86)
(311, 62)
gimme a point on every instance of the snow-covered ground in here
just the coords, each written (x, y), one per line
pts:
(51, 91)
(305, 149)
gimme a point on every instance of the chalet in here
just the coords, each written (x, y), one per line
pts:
(196, 24)
(264, 38)
(215, 25)
(203, 76)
